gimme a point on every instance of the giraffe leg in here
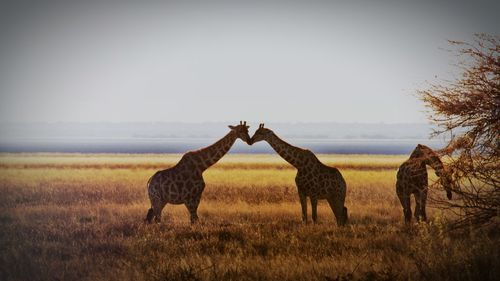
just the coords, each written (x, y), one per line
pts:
(157, 206)
(345, 215)
(192, 207)
(303, 204)
(314, 207)
(423, 202)
(405, 202)
(338, 210)
(418, 207)
(420, 200)
(155, 212)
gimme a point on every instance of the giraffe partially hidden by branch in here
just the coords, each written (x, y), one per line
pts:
(183, 183)
(412, 179)
(314, 179)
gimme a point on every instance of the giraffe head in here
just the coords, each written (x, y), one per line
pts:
(261, 134)
(241, 131)
(446, 180)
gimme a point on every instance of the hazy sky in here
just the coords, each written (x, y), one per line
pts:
(200, 61)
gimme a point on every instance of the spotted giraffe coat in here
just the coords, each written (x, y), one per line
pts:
(183, 183)
(314, 179)
(412, 179)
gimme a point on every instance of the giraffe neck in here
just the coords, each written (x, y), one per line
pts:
(425, 157)
(436, 164)
(213, 153)
(290, 153)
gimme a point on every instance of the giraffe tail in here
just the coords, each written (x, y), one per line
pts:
(150, 213)
(149, 181)
(149, 216)
(345, 215)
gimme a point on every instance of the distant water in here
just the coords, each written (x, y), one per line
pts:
(176, 145)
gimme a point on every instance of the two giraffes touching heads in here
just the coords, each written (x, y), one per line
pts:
(184, 184)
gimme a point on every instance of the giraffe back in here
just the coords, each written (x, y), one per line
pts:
(320, 181)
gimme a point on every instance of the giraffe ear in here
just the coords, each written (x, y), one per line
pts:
(231, 127)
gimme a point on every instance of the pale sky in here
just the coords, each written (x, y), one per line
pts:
(272, 61)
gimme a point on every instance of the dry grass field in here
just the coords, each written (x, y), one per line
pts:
(80, 217)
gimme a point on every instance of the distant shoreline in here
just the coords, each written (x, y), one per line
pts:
(181, 145)
(172, 137)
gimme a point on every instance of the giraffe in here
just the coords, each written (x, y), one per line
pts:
(314, 179)
(183, 183)
(412, 179)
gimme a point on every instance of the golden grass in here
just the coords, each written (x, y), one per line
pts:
(162, 161)
(80, 217)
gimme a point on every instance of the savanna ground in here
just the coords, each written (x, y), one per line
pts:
(80, 217)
